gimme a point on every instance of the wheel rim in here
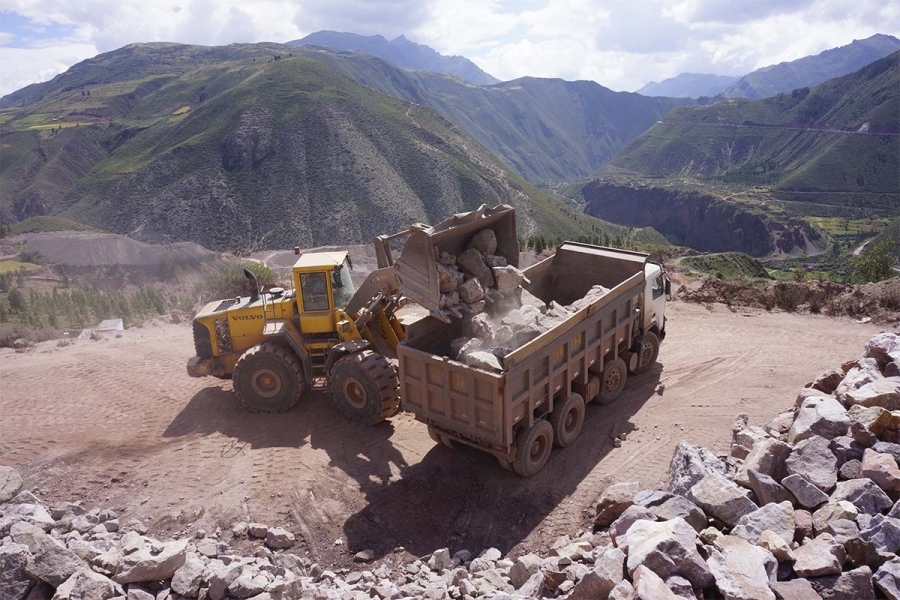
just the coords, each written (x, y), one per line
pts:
(612, 381)
(538, 448)
(354, 392)
(570, 421)
(646, 353)
(266, 383)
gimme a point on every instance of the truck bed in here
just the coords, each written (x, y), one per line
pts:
(486, 408)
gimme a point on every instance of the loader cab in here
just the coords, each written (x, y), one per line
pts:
(323, 284)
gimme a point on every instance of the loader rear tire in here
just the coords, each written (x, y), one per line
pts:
(364, 387)
(533, 446)
(612, 381)
(647, 351)
(567, 420)
(268, 378)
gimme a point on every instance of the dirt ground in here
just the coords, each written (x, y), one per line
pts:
(117, 423)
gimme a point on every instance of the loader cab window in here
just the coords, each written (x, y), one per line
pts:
(341, 285)
(314, 288)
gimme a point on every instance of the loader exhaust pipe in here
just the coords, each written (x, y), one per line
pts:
(254, 284)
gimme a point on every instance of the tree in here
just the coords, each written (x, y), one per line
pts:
(876, 263)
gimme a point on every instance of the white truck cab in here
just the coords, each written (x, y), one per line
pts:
(659, 289)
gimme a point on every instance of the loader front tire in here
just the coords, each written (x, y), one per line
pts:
(268, 378)
(364, 387)
(533, 446)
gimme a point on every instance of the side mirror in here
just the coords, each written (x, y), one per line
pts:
(336, 282)
(668, 287)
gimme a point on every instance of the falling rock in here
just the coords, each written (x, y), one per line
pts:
(608, 572)
(10, 483)
(882, 469)
(481, 327)
(614, 500)
(485, 241)
(818, 557)
(458, 344)
(741, 570)
(143, 559)
(887, 578)
(278, 538)
(667, 548)
(484, 360)
(14, 580)
(855, 584)
(522, 570)
(828, 381)
(649, 586)
(812, 459)
(778, 518)
(472, 261)
(795, 589)
(721, 498)
(882, 392)
(807, 494)
(665, 506)
(864, 494)
(471, 291)
(819, 415)
(508, 279)
(186, 580)
(767, 490)
(766, 456)
(51, 561)
(85, 584)
(689, 465)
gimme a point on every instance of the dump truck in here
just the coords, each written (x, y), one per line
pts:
(274, 344)
(538, 399)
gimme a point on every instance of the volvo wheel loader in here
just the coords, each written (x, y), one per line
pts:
(273, 344)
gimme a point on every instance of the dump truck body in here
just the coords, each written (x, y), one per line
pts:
(486, 409)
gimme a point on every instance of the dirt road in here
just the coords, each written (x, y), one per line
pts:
(117, 423)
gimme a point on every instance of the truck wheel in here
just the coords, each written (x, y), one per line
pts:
(533, 447)
(440, 438)
(268, 378)
(648, 351)
(567, 420)
(614, 374)
(364, 387)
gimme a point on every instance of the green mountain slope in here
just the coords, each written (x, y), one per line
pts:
(840, 137)
(812, 70)
(400, 51)
(244, 146)
(548, 130)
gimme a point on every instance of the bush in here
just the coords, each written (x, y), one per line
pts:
(231, 282)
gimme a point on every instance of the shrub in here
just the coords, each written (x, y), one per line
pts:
(231, 282)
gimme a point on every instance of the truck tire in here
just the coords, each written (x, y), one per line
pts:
(440, 438)
(365, 388)
(647, 351)
(533, 446)
(268, 378)
(567, 420)
(613, 381)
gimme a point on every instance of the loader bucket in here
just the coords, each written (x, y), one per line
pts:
(417, 264)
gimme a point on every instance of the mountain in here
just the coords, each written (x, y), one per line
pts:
(812, 70)
(832, 142)
(689, 85)
(548, 130)
(243, 146)
(401, 52)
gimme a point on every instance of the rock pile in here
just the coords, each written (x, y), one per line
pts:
(803, 507)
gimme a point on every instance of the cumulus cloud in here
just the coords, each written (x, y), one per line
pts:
(621, 44)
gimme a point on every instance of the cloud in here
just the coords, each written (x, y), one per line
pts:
(389, 18)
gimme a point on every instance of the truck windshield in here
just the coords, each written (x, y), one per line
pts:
(342, 286)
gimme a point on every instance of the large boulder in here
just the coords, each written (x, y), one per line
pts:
(138, 558)
(883, 532)
(721, 498)
(819, 415)
(778, 518)
(767, 490)
(608, 572)
(472, 261)
(613, 502)
(632, 514)
(665, 506)
(766, 456)
(14, 579)
(887, 578)
(85, 584)
(884, 348)
(882, 469)
(855, 584)
(650, 586)
(807, 494)
(882, 392)
(865, 372)
(820, 556)
(833, 511)
(508, 279)
(827, 381)
(51, 561)
(667, 548)
(187, 579)
(10, 483)
(522, 570)
(813, 460)
(689, 465)
(864, 494)
(742, 570)
(875, 418)
(485, 241)
(846, 448)
(795, 589)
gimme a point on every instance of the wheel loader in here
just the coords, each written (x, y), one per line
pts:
(273, 344)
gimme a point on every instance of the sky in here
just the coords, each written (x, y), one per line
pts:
(621, 44)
